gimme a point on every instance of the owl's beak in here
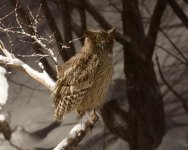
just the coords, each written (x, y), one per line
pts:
(102, 44)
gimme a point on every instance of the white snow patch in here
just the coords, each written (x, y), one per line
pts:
(75, 130)
(2, 117)
(3, 87)
(72, 134)
(61, 145)
(44, 77)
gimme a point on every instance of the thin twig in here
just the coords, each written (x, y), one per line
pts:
(114, 6)
(101, 20)
(52, 24)
(66, 17)
(179, 12)
(42, 78)
(170, 53)
(155, 24)
(170, 87)
(174, 45)
(37, 48)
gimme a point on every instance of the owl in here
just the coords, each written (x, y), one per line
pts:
(83, 80)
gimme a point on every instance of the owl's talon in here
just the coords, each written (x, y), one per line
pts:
(80, 113)
(89, 117)
(97, 113)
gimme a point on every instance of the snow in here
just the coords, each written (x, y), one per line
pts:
(76, 128)
(2, 117)
(73, 133)
(42, 77)
(61, 145)
(3, 87)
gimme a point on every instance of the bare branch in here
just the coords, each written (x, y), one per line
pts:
(155, 24)
(66, 16)
(174, 45)
(44, 47)
(83, 26)
(54, 28)
(114, 6)
(170, 53)
(179, 12)
(83, 19)
(170, 87)
(101, 20)
(37, 48)
(109, 112)
(186, 1)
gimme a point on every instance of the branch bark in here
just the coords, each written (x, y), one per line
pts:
(110, 112)
(175, 47)
(179, 12)
(54, 28)
(155, 24)
(146, 113)
(42, 78)
(66, 15)
(100, 19)
(186, 1)
(77, 133)
(37, 48)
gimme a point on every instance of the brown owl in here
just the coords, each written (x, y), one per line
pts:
(84, 79)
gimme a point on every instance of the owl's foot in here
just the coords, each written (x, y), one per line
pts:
(90, 114)
(80, 113)
(97, 113)
(86, 115)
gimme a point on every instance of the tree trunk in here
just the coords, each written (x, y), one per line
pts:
(146, 113)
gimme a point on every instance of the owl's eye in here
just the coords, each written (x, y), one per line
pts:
(97, 40)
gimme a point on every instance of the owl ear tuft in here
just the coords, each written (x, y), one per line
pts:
(112, 32)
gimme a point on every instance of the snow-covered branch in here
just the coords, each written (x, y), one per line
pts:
(77, 133)
(12, 61)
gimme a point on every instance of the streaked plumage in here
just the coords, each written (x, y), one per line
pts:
(84, 79)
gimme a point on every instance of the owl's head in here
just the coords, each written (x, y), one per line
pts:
(100, 38)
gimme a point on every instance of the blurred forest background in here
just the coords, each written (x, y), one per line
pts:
(146, 108)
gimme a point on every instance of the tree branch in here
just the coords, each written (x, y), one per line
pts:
(112, 114)
(66, 14)
(186, 1)
(77, 133)
(54, 28)
(179, 12)
(37, 47)
(175, 47)
(146, 113)
(170, 87)
(171, 54)
(83, 22)
(155, 24)
(101, 20)
(10, 60)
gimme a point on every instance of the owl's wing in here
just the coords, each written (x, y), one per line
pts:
(75, 78)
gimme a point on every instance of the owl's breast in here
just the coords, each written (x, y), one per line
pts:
(96, 96)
